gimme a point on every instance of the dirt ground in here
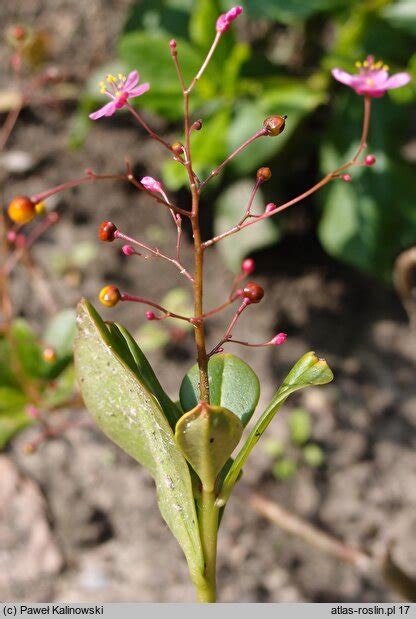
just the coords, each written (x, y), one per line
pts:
(79, 518)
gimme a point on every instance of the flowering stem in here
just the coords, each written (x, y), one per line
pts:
(155, 251)
(166, 312)
(209, 532)
(218, 169)
(205, 63)
(74, 183)
(247, 213)
(324, 181)
(155, 196)
(227, 333)
(146, 127)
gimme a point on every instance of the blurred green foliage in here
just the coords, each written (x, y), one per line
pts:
(298, 450)
(277, 59)
(29, 377)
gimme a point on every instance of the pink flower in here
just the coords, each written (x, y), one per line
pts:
(372, 79)
(151, 184)
(119, 89)
(224, 21)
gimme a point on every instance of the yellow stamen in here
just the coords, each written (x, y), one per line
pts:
(111, 79)
(365, 63)
(103, 90)
(358, 64)
(122, 77)
(386, 67)
(118, 93)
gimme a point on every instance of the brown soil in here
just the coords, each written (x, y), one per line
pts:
(108, 540)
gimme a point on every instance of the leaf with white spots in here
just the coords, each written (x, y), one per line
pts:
(130, 415)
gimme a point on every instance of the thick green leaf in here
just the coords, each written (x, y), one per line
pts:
(309, 370)
(13, 417)
(145, 372)
(232, 383)
(130, 415)
(229, 209)
(28, 351)
(402, 15)
(207, 436)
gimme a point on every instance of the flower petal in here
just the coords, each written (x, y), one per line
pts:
(342, 76)
(131, 81)
(398, 80)
(136, 92)
(107, 110)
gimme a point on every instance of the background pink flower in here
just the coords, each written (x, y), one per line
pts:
(372, 79)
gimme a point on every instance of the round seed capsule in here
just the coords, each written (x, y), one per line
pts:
(275, 124)
(253, 292)
(264, 174)
(109, 296)
(106, 231)
(21, 210)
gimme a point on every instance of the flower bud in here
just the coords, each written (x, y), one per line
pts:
(347, 178)
(150, 316)
(172, 44)
(11, 236)
(197, 125)
(248, 266)
(106, 231)
(128, 250)
(370, 160)
(18, 33)
(278, 339)
(275, 124)
(264, 174)
(253, 292)
(32, 411)
(270, 207)
(21, 210)
(109, 296)
(151, 184)
(49, 354)
(177, 148)
(224, 21)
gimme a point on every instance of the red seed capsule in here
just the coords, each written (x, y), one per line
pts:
(253, 292)
(177, 148)
(264, 174)
(106, 231)
(275, 124)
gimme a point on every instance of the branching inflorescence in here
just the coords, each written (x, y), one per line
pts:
(216, 479)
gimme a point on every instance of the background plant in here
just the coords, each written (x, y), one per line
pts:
(281, 60)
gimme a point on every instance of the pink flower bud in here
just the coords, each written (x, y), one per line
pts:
(224, 21)
(150, 316)
(128, 250)
(370, 160)
(278, 339)
(151, 184)
(347, 178)
(172, 44)
(248, 266)
(11, 236)
(32, 411)
(270, 207)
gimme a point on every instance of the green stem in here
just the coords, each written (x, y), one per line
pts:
(209, 530)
